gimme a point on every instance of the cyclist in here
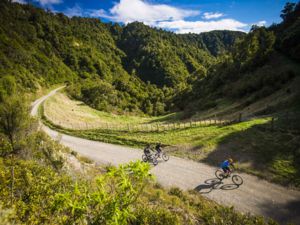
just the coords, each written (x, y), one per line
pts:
(226, 166)
(147, 151)
(158, 149)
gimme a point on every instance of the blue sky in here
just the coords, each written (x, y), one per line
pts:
(180, 16)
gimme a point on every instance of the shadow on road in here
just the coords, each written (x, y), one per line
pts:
(288, 213)
(214, 184)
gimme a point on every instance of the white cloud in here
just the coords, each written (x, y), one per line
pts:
(76, 10)
(48, 2)
(181, 26)
(211, 15)
(166, 17)
(100, 13)
(127, 11)
(261, 23)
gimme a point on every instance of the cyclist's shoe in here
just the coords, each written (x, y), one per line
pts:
(226, 175)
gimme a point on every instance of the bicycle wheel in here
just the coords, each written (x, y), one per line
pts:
(236, 179)
(144, 158)
(219, 174)
(165, 157)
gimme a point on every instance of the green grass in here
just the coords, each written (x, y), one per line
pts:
(269, 154)
(203, 137)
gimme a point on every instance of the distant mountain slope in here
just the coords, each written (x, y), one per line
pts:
(110, 65)
(260, 64)
(165, 58)
(216, 42)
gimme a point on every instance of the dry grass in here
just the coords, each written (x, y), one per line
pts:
(72, 114)
(62, 111)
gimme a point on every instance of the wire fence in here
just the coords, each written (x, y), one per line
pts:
(286, 122)
(143, 127)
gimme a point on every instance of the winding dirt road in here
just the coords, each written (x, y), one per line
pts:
(255, 195)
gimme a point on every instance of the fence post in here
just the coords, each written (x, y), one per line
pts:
(240, 117)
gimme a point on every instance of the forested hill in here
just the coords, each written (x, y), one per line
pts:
(165, 58)
(217, 42)
(41, 47)
(262, 63)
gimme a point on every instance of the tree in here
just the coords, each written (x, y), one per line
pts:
(13, 119)
(287, 11)
(9, 84)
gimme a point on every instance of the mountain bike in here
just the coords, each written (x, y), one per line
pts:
(150, 158)
(162, 155)
(236, 179)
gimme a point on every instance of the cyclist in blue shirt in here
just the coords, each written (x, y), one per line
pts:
(226, 166)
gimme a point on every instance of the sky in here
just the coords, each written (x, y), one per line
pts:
(179, 16)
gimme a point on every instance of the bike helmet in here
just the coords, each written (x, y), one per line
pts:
(230, 160)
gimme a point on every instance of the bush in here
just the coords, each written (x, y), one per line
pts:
(154, 216)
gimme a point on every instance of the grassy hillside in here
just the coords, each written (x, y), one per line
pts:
(61, 109)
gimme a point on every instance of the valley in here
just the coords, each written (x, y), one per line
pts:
(83, 93)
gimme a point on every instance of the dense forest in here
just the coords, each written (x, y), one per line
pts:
(131, 68)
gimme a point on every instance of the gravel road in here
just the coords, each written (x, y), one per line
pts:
(255, 196)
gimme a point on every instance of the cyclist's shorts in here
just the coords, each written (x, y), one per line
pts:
(226, 169)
